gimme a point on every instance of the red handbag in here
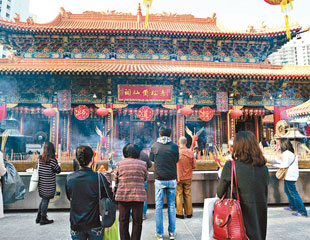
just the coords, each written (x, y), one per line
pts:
(227, 215)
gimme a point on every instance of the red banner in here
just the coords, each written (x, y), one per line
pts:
(145, 113)
(81, 112)
(3, 111)
(144, 92)
(205, 114)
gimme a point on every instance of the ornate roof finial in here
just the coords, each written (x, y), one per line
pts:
(17, 18)
(62, 11)
(139, 13)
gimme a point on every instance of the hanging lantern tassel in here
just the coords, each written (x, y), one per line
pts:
(288, 32)
(285, 8)
(147, 3)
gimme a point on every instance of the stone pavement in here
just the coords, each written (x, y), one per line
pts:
(20, 226)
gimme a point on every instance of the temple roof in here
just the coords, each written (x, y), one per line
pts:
(149, 67)
(302, 109)
(115, 22)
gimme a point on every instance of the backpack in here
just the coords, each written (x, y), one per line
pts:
(107, 207)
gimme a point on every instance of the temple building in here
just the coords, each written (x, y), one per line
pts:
(180, 71)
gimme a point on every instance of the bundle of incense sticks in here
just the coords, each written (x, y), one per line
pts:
(5, 136)
(220, 157)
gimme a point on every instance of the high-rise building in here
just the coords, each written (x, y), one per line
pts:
(295, 52)
(8, 8)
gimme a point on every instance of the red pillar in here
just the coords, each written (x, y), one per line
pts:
(280, 114)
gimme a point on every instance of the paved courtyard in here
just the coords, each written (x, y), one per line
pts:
(21, 226)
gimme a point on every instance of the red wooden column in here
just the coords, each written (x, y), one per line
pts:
(279, 114)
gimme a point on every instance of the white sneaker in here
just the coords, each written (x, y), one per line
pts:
(159, 236)
(172, 235)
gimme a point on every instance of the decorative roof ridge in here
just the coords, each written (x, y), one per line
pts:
(263, 28)
(156, 17)
(126, 22)
(202, 64)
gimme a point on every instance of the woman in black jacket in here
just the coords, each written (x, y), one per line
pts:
(253, 178)
(48, 168)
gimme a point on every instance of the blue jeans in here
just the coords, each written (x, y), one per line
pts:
(294, 199)
(145, 203)
(92, 234)
(161, 188)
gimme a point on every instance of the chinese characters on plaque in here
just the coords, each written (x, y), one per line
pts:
(144, 92)
(81, 112)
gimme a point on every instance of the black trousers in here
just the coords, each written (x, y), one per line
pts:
(43, 207)
(124, 214)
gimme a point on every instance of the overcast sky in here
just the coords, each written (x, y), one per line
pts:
(235, 14)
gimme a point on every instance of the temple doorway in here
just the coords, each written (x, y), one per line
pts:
(245, 124)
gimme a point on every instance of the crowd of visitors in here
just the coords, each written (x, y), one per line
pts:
(173, 172)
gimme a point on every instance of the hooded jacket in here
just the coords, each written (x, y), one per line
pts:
(165, 155)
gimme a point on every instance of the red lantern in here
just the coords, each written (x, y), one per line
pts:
(49, 112)
(236, 113)
(102, 112)
(186, 111)
(273, 2)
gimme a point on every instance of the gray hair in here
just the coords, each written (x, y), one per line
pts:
(183, 140)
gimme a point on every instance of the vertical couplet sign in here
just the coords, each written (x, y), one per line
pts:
(81, 112)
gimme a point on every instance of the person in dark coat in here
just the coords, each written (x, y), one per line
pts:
(48, 168)
(165, 155)
(82, 190)
(253, 178)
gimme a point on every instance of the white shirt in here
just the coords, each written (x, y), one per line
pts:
(2, 168)
(287, 158)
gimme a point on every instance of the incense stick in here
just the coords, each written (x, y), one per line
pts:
(4, 139)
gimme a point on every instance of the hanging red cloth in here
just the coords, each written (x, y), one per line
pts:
(3, 111)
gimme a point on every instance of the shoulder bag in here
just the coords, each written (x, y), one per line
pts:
(281, 172)
(227, 216)
(34, 180)
(107, 208)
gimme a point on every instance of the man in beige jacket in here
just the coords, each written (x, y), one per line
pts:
(185, 167)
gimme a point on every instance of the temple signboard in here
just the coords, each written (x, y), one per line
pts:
(144, 92)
